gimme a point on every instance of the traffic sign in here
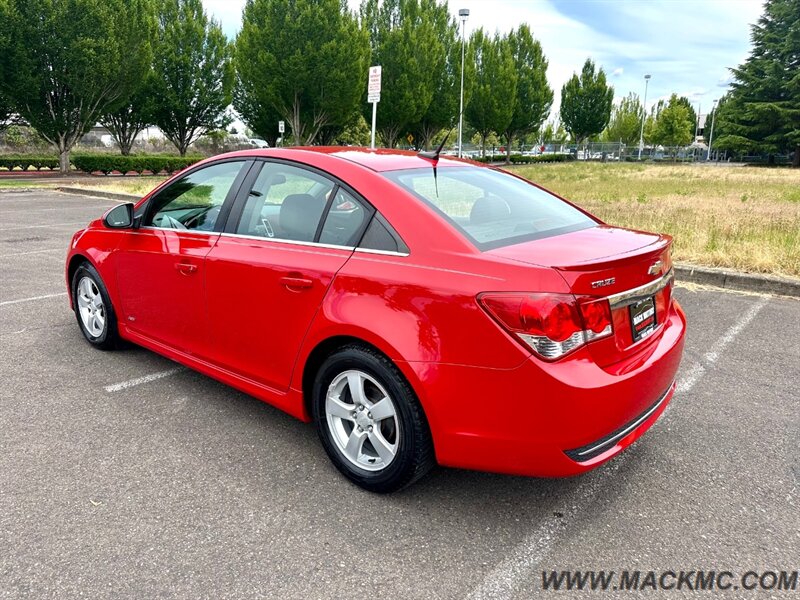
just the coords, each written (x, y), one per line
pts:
(374, 97)
(281, 127)
(374, 82)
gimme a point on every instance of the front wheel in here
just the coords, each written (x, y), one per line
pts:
(93, 308)
(370, 421)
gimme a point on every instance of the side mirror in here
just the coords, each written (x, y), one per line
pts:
(119, 217)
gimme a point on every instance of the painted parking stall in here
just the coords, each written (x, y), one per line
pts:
(188, 488)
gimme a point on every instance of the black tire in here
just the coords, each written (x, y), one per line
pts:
(414, 455)
(108, 338)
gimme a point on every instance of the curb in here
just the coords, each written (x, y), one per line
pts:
(735, 280)
(100, 194)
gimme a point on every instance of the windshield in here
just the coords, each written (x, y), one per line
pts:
(489, 207)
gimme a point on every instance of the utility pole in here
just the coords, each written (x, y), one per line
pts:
(711, 135)
(463, 14)
(644, 114)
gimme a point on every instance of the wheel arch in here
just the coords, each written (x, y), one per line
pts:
(75, 261)
(327, 346)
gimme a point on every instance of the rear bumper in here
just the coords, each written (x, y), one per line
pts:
(549, 419)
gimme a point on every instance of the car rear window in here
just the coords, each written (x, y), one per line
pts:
(489, 207)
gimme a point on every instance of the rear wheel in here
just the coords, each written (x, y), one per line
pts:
(93, 308)
(370, 421)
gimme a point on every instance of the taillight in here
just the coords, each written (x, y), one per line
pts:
(552, 325)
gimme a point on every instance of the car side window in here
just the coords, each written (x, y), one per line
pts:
(344, 221)
(380, 235)
(195, 201)
(286, 203)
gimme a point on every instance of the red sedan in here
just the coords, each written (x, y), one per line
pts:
(418, 310)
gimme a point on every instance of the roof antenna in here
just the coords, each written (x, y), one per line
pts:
(434, 155)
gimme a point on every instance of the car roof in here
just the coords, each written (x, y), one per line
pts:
(381, 159)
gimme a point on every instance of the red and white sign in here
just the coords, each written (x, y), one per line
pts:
(374, 84)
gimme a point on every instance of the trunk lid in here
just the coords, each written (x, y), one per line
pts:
(606, 261)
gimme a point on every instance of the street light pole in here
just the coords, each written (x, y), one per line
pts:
(711, 135)
(463, 14)
(697, 121)
(644, 114)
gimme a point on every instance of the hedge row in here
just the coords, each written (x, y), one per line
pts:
(520, 159)
(109, 163)
(103, 163)
(26, 162)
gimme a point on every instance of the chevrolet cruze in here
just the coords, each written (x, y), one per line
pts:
(417, 309)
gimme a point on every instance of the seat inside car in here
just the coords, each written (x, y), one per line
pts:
(300, 215)
(487, 209)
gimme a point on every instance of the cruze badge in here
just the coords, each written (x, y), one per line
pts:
(655, 268)
(603, 282)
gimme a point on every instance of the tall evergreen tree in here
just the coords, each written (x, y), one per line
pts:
(442, 111)
(405, 43)
(192, 73)
(534, 96)
(63, 64)
(304, 61)
(586, 102)
(765, 112)
(494, 91)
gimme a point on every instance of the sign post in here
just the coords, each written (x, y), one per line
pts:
(281, 130)
(373, 97)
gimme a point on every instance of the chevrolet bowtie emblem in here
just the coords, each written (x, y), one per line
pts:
(655, 268)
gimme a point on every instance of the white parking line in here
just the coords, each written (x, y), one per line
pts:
(518, 567)
(64, 250)
(117, 387)
(42, 226)
(31, 299)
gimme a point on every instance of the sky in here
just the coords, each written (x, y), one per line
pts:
(687, 46)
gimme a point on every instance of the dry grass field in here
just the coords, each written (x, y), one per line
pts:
(745, 218)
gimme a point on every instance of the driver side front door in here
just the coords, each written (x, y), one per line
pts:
(161, 265)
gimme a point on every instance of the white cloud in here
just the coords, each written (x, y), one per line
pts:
(617, 72)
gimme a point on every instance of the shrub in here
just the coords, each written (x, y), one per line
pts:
(28, 161)
(154, 163)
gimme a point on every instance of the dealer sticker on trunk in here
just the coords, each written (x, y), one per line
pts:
(643, 318)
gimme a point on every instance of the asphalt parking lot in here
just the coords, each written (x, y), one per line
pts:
(179, 487)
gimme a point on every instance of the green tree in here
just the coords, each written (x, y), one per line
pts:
(625, 122)
(766, 91)
(6, 113)
(692, 112)
(303, 61)
(494, 91)
(442, 111)
(128, 120)
(259, 114)
(554, 132)
(725, 117)
(192, 73)
(674, 126)
(586, 103)
(406, 44)
(63, 64)
(534, 96)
